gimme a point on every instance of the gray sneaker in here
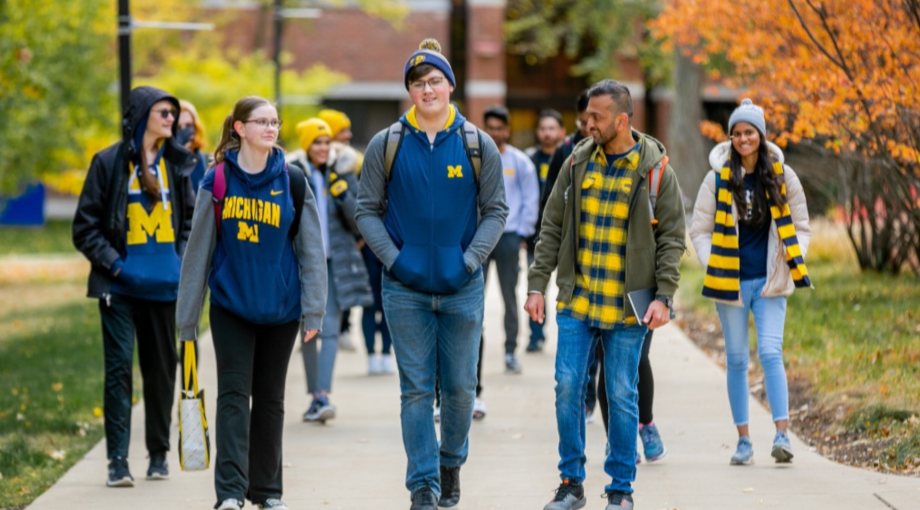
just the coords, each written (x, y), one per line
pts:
(569, 496)
(619, 501)
(782, 449)
(744, 454)
(274, 504)
(230, 504)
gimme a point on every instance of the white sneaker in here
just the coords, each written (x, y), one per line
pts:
(479, 409)
(274, 504)
(387, 365)
(374, 365)
(230, 504)
(345, 343)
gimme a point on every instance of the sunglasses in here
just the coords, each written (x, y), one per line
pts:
(165, 113)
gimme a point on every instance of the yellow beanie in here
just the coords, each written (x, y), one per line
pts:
(310, 130)
(336, 120)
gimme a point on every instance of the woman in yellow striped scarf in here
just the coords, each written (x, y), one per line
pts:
(750, 230)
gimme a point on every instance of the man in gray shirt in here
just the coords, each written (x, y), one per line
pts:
(432, 216)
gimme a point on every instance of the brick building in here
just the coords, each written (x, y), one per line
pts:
(373, 53)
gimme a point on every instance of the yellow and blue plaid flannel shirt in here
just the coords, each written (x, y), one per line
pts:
(599, 297)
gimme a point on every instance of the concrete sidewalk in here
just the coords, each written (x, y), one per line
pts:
(357, 461)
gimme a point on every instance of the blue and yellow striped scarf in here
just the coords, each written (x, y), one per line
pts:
(723, 280)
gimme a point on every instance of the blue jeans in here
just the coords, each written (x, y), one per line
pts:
(574, 354)
(536, 328)
(370, 325)
(319, 362)
(435, 337)
(769, 319)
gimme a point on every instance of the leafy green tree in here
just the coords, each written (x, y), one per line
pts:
(55, 78)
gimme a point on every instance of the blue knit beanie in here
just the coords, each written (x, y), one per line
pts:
(429, 52)
(750, 113)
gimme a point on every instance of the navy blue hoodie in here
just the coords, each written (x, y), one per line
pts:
(254, 271)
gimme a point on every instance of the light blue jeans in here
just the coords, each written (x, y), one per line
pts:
(574, 354)
(769, 320)
(319, 362)
(435, 337)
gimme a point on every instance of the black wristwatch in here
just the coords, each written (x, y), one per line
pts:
(666, 300)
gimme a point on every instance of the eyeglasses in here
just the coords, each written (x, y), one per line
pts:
(419, 86)
(265, 123)
(750, 133)
(165, 113)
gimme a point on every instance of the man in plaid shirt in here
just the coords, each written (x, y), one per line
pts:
(603, 235)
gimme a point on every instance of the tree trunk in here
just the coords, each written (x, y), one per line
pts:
(687, 147)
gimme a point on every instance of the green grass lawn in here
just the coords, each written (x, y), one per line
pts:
(54, 237)
(51, 376)
(855, 338)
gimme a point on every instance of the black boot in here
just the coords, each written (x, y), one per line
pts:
(450, 487)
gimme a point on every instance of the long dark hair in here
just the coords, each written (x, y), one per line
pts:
(765, 180)
(229, 140)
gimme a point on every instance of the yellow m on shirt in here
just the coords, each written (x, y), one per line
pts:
(454, 171)
(142, 225)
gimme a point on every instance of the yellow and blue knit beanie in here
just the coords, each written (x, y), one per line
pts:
(429, 52)
(337, 120)
(750, 113)
(310, 130)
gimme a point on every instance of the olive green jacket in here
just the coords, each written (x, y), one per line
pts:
(652, 253)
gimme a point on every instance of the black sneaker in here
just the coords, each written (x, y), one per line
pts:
(535, 346)
(450, 487)
(119, 476)
(569, 496)
(619, 500)
(159, 469)
(423, 499)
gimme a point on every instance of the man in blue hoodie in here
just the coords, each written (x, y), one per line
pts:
(432, 219)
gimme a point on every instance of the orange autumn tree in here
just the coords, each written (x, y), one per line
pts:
(843, 75)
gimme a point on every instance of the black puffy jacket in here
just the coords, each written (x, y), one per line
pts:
(99, 223)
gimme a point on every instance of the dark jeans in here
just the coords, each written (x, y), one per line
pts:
(369, 321)
(154, 323)
(646, 385)
(506, 255)
(252, 362)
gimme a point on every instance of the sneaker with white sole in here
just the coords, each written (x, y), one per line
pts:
(437, 414)
(570, 495)
(479, 409)
(158, 469)
(387, 364)
(651, 443)
(273, 504)
(374, 365)
(119, 475)
(230, 504)
(782, 449)
(512, 365)
(320, 411)
(744, 454)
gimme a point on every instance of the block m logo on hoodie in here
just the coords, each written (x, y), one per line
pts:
(144, 224)
(454, 171)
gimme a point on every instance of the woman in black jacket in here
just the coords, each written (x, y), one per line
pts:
(132, 223)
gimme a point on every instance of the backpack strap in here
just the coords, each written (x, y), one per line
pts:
(218, 192)
(298, 182)
(655, 186)
(394, 140)
(471, 142)
(473, 147)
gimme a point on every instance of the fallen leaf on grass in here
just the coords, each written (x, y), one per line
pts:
(97, 412)
(57, 386)
(57, 454)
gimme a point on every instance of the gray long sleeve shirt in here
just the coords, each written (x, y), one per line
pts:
(372, 204)
(199, 253)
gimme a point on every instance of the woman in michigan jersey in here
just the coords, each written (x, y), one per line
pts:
(266, 279)
(132, 222)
